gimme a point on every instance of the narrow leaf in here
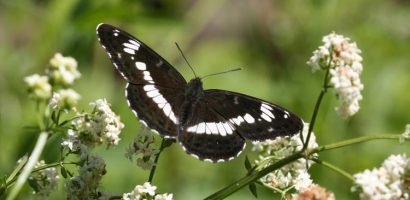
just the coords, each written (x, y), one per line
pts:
(63, 171)
(54, 117)
(248, 164)
(252, 188)
(17, 170)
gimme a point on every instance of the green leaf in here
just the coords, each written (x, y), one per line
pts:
(54, 117)
(70, 174)
(167, 143)
(252, 188)
(64, 123)
(63, 171)
(3, 186)
(248, 164)
(34, 184)
(17, 170)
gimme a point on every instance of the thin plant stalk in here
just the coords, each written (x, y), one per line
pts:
(334, 168)
(317, 105)
(41, 141)
(13, 179)
(153, 169)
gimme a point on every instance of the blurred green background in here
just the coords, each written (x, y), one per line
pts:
(271, 40)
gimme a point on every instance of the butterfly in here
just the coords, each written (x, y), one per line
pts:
(211, 125)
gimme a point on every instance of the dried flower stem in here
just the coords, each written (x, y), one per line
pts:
(41, 142)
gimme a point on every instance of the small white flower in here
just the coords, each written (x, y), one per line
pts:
(109, 122)
(45, 181)
(390, 181)
(71, 141)
(319, 59)
(94, 128)
(38, 86)
(343, 59)
(146, 191)
(164, 196)
(406, 134)
(146, 188)
(65, 99)
(294, 174)
(63, 70)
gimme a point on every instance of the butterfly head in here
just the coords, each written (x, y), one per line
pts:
(194, 89)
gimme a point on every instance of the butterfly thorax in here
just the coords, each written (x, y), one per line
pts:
(193, 95)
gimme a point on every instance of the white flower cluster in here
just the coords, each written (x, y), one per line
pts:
(292, 175)
(146, 191)
(85, 185)
(38, 86)
(44, 181)
(64, 99)
(63, 70)
(142, 148)
(94, 128)
(389, 182)
(343, 59)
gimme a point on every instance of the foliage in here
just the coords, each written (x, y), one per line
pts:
(270, 40)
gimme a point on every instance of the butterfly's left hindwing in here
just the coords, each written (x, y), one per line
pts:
(208, 136)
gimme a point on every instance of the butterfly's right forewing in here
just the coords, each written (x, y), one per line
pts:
(155, 89)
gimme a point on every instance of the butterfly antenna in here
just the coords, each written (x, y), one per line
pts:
(231, 70)
(182, 53)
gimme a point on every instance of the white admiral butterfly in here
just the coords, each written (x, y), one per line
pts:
(211, 125)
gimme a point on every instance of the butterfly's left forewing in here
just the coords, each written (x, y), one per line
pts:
(155, 89)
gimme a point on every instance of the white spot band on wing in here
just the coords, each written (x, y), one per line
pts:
(220, 128)
(153, 93)
(141, 66)
(129, 51)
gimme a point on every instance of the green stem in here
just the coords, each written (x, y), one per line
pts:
(249, 178)
(152, 172)
(334, 168)
(354, 141)
(317, 106)
(228, 190)
(13, 179)
(41, 142)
